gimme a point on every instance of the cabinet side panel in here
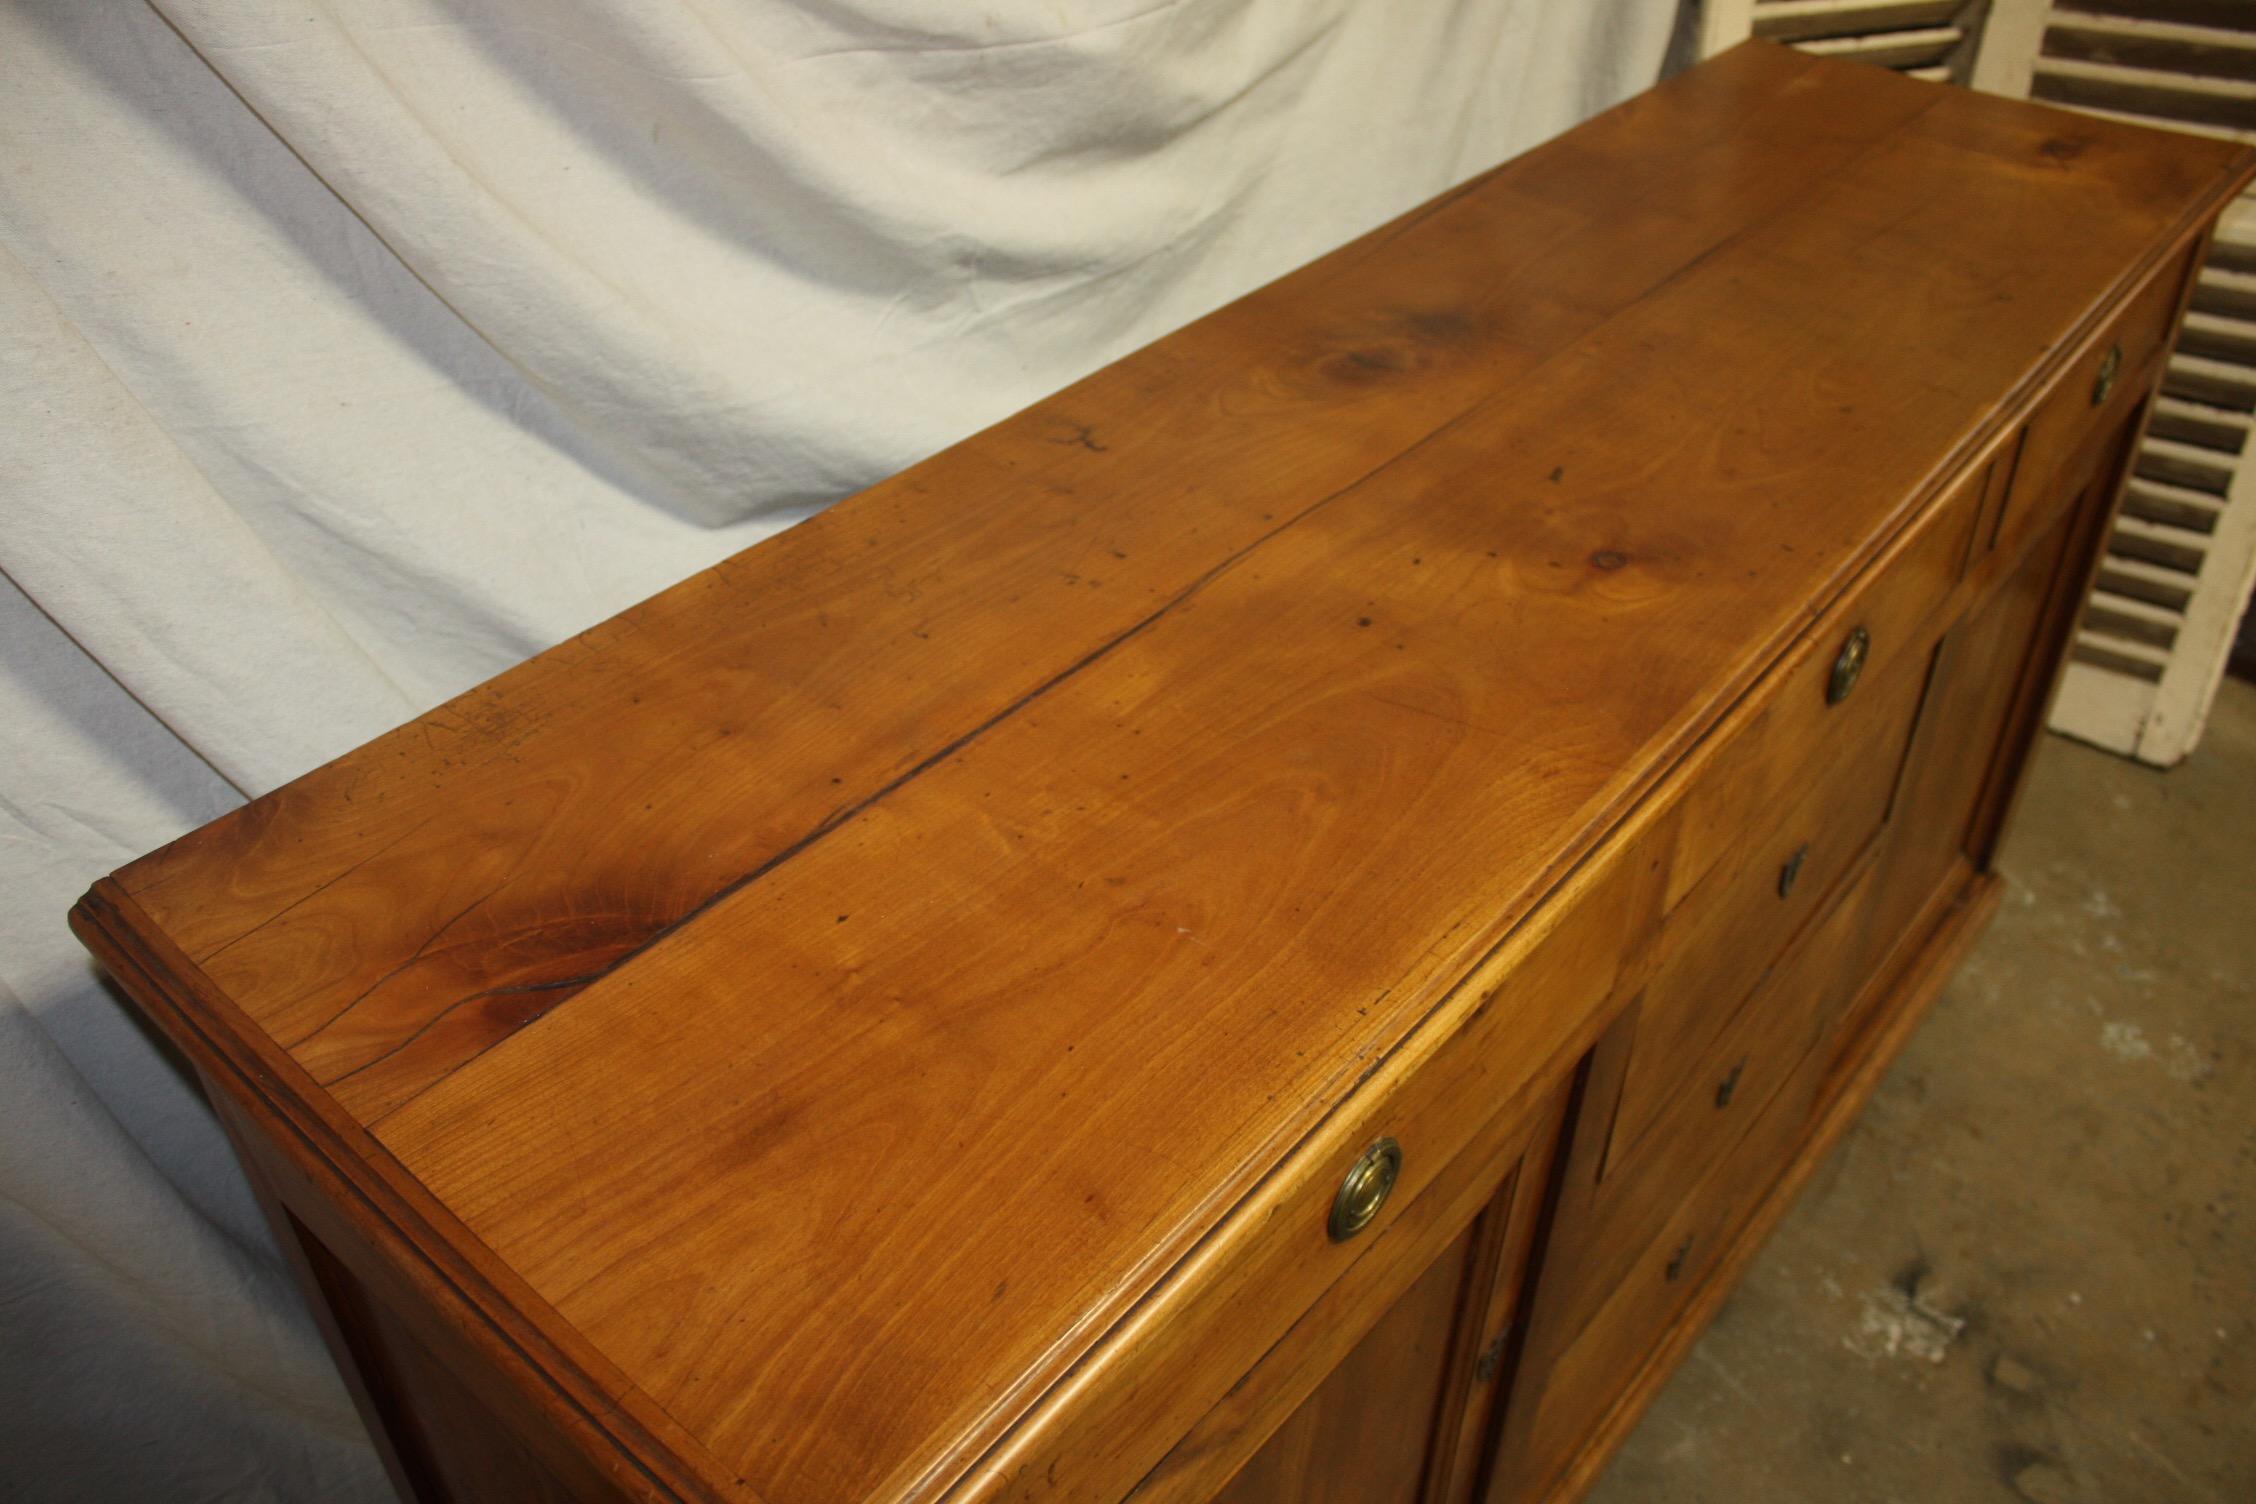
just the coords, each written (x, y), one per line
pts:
(450, 1445)
(441, 1441)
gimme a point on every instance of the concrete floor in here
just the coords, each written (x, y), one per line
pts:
(2029, 1272)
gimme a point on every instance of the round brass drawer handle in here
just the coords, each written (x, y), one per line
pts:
(1370, 1180)
(2110, 366)
(1848, 666)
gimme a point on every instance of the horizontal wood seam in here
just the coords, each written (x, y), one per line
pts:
(282, 1085)
(845, 813)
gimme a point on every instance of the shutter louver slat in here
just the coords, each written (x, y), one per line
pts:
(2135, 620)
(2237, 259)
(2183, 467)
(2224, 15)
(1921, 48)
(2151, 93)
(2158, 48)
(1924, 38)
(2210, 383)
(2159, 544)
(2198, 426)
(2228, 340)
(2117, 658)
(2222, 297)
(2144, 582)
(1816, 20)
(2174, 509)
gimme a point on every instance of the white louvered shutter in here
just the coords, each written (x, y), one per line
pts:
(2158, 628)
(2154, 637)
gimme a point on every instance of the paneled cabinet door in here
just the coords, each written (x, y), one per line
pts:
(1405, 1416)
(1986, 698)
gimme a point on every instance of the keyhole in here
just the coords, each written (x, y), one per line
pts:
(1730, 1085)
(1791, 873)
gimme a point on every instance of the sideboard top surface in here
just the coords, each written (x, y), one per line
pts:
(840, 987)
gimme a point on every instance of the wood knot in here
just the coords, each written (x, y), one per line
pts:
(1608, 559)
(1366, 364)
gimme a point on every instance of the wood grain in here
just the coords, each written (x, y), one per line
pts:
(1897, 1000)
(883, 1020)
(2070, 416)
(1503, 1224)
(1309, 828)
(1638, 1257)
(1344, 1447)
(396, 912)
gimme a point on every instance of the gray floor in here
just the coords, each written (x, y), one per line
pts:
(2029, 1272)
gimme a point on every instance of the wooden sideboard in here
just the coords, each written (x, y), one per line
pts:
(1276, 927)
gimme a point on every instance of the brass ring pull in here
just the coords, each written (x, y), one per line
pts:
(1370, 1180)
(1849, 666)
(2110, 366)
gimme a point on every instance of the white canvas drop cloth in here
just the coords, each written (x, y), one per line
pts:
(350, 352)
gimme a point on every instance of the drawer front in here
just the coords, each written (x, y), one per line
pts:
(1731, 930)
(1786, 809)
(1771, 761)
(2100, 386)
(1751, 1065)
(1306, 1424)
(1563, 1401)
(1460, 1109)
